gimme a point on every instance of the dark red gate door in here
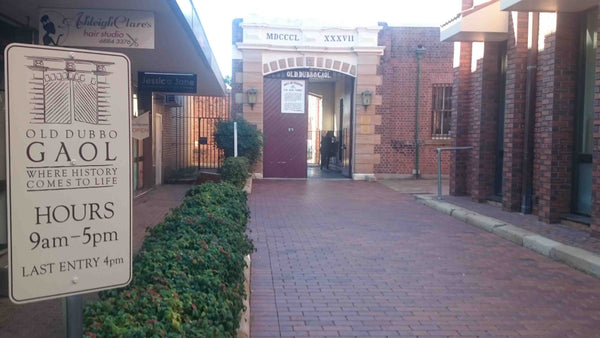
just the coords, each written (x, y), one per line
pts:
(285, 136)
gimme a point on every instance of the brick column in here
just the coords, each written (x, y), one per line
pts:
(368, 78)
(558, 67)
(461, 106)
(484, 124)
(514, 115)
(596, 151)
(252, 78)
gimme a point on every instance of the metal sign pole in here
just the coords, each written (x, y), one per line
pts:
(439, 173)
(73, 316)
(235, 141)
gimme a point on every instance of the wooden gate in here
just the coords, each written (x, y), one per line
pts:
(284, 154)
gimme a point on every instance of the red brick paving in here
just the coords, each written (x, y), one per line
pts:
(343, 258)
(16, 320)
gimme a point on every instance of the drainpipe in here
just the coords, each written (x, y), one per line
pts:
(530, 99)
(419, 52)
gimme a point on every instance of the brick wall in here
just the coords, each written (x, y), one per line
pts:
(398, 67)
(475, 109)
(169, 138)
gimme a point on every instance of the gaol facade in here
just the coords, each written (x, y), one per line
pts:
(525, 96)
(383, 94)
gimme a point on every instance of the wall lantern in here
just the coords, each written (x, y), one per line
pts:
(252, 94)
(366, 96)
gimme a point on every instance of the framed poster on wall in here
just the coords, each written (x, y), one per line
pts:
(293, 96)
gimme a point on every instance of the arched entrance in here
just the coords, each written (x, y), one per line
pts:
(308, 115)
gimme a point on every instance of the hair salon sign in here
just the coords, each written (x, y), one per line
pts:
(96, 28)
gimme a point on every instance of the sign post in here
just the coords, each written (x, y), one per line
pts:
(68, 171)
(74, 316)
(235, 142)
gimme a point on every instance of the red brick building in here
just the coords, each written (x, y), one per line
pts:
(398, 68)
(365, 85)
(526, 98)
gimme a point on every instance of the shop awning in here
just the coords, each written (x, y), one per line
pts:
(547, 5)
(485, 22)
(180, 44)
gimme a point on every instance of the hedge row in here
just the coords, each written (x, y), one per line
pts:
(188, 277)
(235, 170)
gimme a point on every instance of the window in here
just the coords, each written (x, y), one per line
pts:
(442, 110)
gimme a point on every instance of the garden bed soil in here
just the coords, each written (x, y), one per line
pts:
(205, 176)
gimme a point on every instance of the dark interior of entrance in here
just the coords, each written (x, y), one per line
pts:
(328, 138)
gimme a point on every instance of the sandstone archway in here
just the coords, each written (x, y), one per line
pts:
(309, 62)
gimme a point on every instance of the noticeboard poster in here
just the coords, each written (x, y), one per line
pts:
(293, 96)
(69, 171)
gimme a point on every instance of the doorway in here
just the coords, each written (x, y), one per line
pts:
(315, 124)
(333, 137)
(582, 192)
(307, 125)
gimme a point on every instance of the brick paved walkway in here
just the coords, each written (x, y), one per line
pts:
(343, 258)
(44, 319)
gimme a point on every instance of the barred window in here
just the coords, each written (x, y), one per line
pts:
(442, 110)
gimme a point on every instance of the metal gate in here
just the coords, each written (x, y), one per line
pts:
(195, 146)
(209, 156)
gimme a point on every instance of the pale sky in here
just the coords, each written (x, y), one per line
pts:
(216, 16)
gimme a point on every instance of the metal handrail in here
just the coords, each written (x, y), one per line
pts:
(439, 165)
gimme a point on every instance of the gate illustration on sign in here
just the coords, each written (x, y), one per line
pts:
(67, 90)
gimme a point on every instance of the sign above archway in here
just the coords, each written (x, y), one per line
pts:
(313, 37)
(305, 74)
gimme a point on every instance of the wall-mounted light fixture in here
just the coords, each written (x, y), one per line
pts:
(252, 95)
(366, 98)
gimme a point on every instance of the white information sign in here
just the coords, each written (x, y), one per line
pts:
(140, 127)
(69, 171)
(292, 96)
(96, 28)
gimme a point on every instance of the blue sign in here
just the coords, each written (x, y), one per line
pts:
(167, 82)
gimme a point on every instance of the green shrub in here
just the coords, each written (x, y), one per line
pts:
(235, 170)
(250, 139)
(188, 277)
